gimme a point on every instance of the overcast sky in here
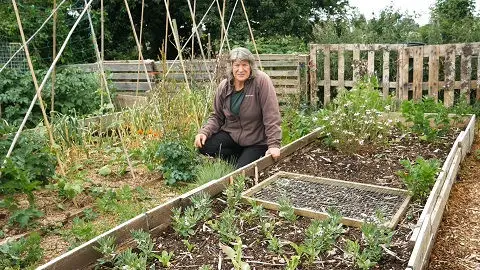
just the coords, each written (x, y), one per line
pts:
(420, 7)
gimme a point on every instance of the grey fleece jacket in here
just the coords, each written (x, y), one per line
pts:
(258, 122)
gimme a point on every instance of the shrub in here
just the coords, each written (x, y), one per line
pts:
(419, 177)
(177, 162)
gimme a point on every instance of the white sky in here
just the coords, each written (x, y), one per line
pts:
(420, 7)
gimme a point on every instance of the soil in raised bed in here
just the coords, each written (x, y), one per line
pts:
(374, 165)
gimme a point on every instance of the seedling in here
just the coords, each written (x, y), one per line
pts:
(165, 258)
(190, 247)
(292, 263)
(144, 242)
(286, 209)
(419, 177)
(235, 255)
(225, 226)
(131, 260)
(184, 224)
(107, 247)
(234, 191)
(202, 205)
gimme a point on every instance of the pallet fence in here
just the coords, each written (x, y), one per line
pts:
(443, 72)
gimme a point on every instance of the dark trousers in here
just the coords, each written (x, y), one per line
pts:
(222, 145)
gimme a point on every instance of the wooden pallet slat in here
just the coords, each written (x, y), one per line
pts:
(433, 66)
(417, 73)
(448, 96)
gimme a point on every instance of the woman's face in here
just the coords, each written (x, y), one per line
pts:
(241, 70)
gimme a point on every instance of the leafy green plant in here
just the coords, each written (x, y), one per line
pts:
(144, 242)
(353, 119)
(274, 244)
(165, 257)
(184, 224)
(205, 267)
(80, 232)
(131, 260)
(419, 176)
(178, 162)
(212, 169)
(375, 237)
(428, 126)
(256, 213)
(286, 209)
(225, 225)
(235, 255)
(190, 247)
(234, 191)
(296, 123)
(69, 188)
(477, 154)
(25, 217)
(108, 249)
(23, 253)
(292, 263)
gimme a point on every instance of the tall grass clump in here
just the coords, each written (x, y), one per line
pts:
(353, 118)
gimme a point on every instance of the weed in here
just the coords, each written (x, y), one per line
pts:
(286, 209)
(419, 177)
(89, 214)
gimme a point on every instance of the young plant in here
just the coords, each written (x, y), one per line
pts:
(274, 244)
(144, 242)
(235, 255)
(130, 260)
(165, 257)
(23, 253)
(286, 210)
(419, 177)
(225, 226)
(107, 247)
(202, 205)
(234, 191)
(211, 170)
(292, 263)
(184, 224)
(190, 247)
(257, 212)
(205, 267)
(25, 217)
(375, 237)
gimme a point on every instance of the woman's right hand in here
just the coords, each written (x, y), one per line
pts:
(200, 140)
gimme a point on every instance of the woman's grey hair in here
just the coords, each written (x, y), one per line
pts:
(241, 54)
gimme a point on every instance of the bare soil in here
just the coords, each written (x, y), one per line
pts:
(375, 165)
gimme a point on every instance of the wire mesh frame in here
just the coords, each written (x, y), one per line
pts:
(312, 196)
(7, 50)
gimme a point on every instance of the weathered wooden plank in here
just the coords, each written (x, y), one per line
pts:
(421, 245)
(131, 76)
(118, 67)
(356, 63)
(466, 71)
(417, 73)
(403, 75)
(326, 74)
(478, 75)
(313, 74)
(433, 66)
(371, 63)
(341, 67)
(131, 86)
(282, 73)
(449, 76)
(386, 74)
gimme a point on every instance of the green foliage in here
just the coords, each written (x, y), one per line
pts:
(24, 217)
(131, 260)
(286, 209)
(428, 126)
(320, 236)
(165, 257)
(419, 176)
(235, 255)
(106, 247)
(190, 247)
(69, 188)
(178, 162)
(212, 169)
(21, 254)
(144, 242)
(32, 162)
(276, 45)
(256, 213)
(375, 237)
(185, 223)
(80, 232)
(296, 123)
(234, 191)
(353, 117)
(225, 225)
(292, 263)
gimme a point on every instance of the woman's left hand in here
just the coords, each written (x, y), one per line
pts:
(274, 151)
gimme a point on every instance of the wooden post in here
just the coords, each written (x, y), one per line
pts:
(371, 63)
(386, 73)
(478, 73)
(466, 71)
(209, 48)
(448, 96)
(326, 75)
(433, 67)
(356, 63)
(403, 74)
(341, 66)
(313, 75)
(417, 73)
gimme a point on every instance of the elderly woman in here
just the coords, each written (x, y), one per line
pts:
(245, 123)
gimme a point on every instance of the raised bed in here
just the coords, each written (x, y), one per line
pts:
(158, 219)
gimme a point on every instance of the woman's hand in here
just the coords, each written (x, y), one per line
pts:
(274, 151)
(200, 140)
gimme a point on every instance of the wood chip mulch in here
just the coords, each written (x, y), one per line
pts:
(457, 245)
